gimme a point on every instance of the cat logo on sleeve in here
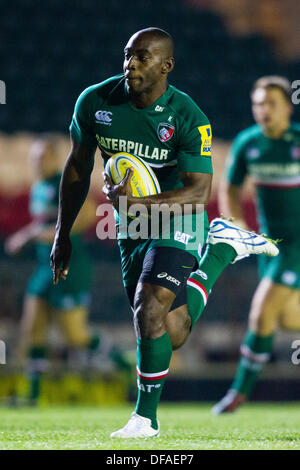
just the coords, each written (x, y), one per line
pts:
(205, 132)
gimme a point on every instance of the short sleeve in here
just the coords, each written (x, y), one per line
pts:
(194, 153)
(81, 125)
(43, 201)
(235, 167)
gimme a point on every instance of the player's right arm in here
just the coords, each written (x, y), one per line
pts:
(74, 187)
(230, 202)
(230, 189)
(74, 184)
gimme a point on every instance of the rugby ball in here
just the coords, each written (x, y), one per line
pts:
(143, 181)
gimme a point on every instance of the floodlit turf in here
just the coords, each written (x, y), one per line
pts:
(183, 426)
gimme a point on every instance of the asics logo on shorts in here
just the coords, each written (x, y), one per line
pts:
(169, 278)
(103, 117)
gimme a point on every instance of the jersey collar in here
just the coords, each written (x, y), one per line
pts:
(161, 101)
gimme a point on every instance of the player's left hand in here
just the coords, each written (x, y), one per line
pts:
(114, 191)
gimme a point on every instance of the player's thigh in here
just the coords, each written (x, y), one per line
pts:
(168, 267)
(266, 306)
(162, 285)
(35, 320)
(275, 301)
(289, 318)
(132, 254)
(74, 326)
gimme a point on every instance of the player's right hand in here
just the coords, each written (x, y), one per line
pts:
(60, 257)
(14, 244)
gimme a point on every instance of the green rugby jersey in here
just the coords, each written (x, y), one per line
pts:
(171, 135)
(274, 165)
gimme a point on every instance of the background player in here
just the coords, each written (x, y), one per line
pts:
(125, 113)
(69, 302)
(270, 153)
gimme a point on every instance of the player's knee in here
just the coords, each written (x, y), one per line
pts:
(283, 324)
(77, 339)
(149, 319)
(286, 324)
(151, 306)
(38, 342)
(38, 338)
(262, 320)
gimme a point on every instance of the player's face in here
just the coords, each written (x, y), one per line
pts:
(270, 108)
(143, 64)
(44, 160)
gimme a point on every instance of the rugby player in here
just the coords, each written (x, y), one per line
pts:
(139, 112)
(68, 303)
(270, 153)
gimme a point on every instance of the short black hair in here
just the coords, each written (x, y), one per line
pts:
(159, 33)
(274, 81)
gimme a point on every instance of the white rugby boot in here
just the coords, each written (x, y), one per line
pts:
(137, 426)
(243, 241)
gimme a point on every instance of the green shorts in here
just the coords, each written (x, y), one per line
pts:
(133, 251)
(68, 294)
(283, 269)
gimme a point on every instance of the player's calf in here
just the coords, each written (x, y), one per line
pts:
(151, 306)
(154, 349)
(255, 353)
(178, 323)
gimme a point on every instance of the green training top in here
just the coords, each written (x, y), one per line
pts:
(274, 165)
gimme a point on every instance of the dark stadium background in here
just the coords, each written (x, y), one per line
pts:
(49, 52)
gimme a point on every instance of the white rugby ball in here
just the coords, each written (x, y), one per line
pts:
(143, 181)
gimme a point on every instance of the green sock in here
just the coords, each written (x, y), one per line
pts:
(200, 282)
(119, 358)
(153, 359)
(255, 352)
(113, 352)
(94, 342)
(37, 365)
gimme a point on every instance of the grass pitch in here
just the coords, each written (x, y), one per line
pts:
(183, 426)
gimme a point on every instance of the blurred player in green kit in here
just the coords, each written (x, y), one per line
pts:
(270, 153)
(68, 303)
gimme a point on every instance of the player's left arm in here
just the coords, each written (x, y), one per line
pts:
(196, 190)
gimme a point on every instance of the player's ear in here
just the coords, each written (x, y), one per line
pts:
(168, 65)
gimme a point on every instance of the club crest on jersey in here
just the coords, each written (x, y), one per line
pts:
(165, 131)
